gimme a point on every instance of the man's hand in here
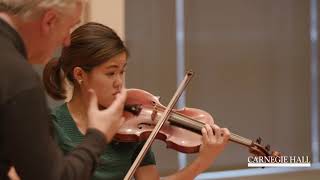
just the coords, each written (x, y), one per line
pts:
(12, 174)
(107, 121)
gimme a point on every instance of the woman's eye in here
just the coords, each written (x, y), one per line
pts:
(110, 74)
(122, 72)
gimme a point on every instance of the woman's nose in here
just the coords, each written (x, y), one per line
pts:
(118, 81)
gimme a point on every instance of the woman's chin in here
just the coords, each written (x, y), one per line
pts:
(104, 106)
(106, 103)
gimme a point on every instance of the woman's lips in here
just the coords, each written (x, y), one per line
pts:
(116, 93)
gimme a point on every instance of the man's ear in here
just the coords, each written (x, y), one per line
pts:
(49, 21)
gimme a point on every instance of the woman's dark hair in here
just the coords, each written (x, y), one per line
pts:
(92, 44)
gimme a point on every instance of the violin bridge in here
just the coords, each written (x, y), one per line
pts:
(154, 113)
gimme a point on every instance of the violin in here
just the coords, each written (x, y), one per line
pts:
(182, 130)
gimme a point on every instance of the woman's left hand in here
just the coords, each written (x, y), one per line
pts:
(214, 140)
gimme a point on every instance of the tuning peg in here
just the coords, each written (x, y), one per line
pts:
(259, 140)
(267, 147)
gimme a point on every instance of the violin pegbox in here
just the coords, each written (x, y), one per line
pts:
(258, 149)
(267, 147)
(259, 140)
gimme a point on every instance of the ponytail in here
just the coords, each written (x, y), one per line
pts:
(53, 80)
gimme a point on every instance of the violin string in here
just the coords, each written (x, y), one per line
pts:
(198, 125)
(187, 121)
(241, 139)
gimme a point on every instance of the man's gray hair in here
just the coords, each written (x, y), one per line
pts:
(31, 8)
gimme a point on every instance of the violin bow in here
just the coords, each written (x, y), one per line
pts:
(158, 126)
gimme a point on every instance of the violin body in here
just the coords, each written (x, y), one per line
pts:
(176, 132)
(182, 131)
(147, 119)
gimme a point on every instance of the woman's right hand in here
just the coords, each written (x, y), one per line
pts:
(107, 121)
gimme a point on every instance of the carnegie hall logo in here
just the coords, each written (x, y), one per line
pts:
(279, 161)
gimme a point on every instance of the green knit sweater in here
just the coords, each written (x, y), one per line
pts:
(117, 157)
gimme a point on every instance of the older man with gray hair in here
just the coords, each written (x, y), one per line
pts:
(30, 31)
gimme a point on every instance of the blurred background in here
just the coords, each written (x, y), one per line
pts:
(256, 67)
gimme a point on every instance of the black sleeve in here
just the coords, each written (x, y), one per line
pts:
(33, 152)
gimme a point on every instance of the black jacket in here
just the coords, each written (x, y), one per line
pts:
(25, 141)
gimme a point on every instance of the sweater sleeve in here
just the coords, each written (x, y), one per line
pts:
(31, 149)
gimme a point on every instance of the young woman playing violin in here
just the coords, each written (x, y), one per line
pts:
(96, 59)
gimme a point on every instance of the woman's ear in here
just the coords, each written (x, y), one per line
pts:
(79, 74)
(49, 21)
